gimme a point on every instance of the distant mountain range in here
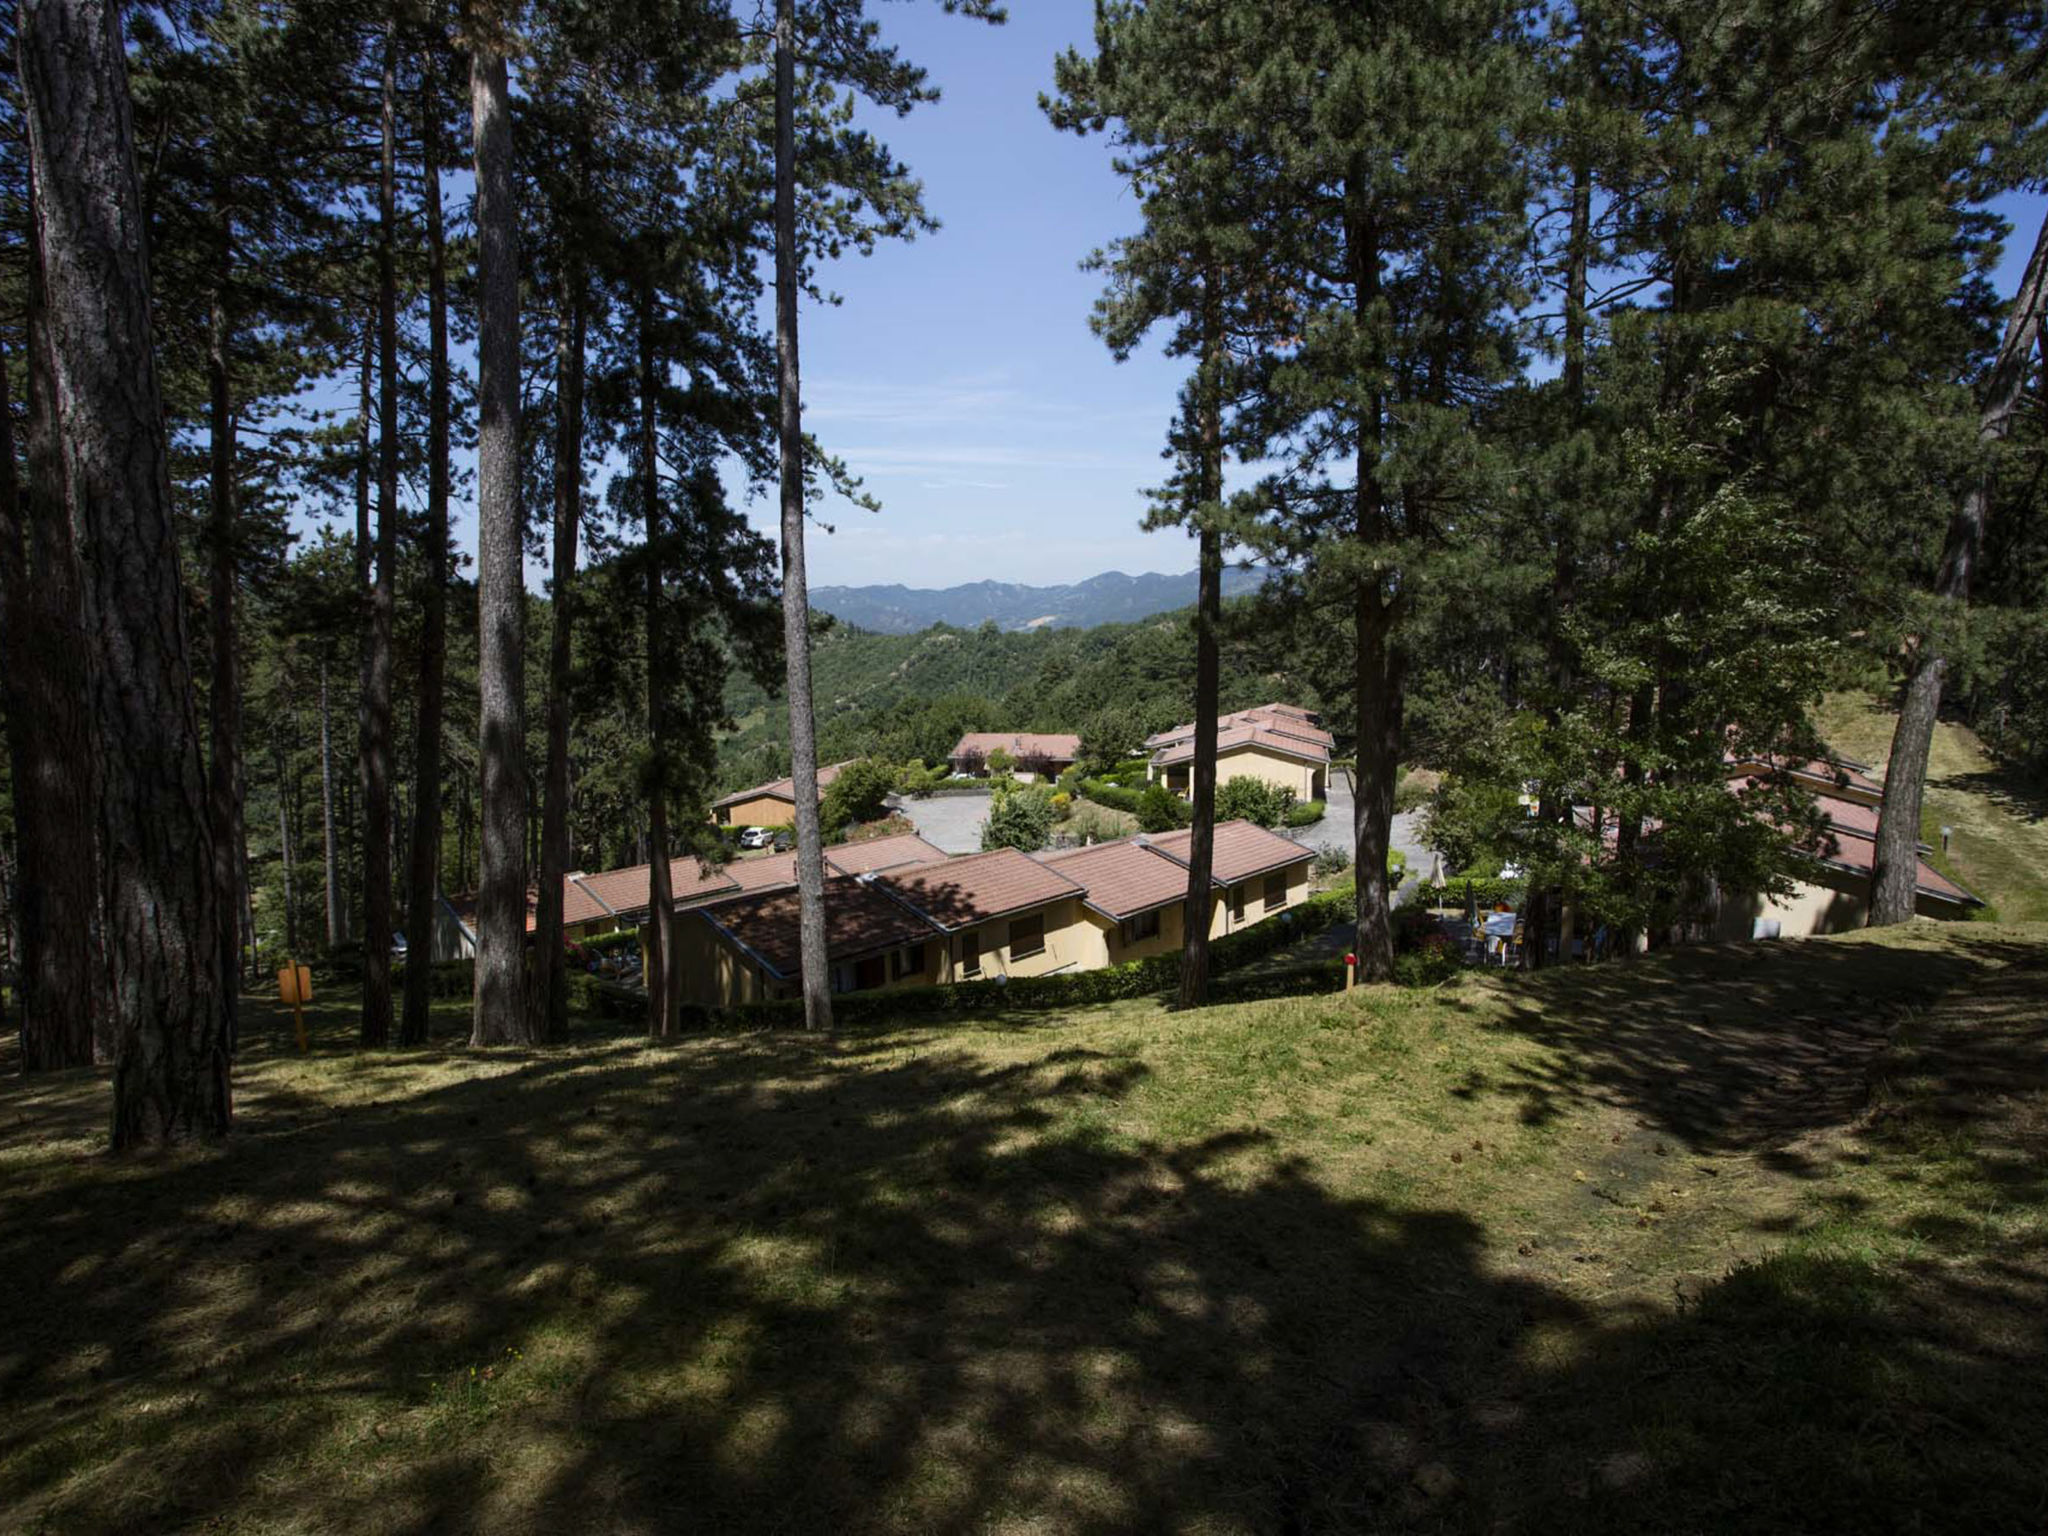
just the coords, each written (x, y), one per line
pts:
(1111, 598)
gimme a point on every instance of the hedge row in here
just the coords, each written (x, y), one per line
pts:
(1116, 796)
(1487, 891)
(1305, 813)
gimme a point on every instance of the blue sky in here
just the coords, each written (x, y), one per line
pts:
(960, 378)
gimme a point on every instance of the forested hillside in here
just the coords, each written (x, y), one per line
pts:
(905, 696)
(1113, 597)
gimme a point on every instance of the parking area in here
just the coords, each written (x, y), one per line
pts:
(951, 822)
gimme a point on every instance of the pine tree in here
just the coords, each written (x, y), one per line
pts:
(171, 1065)
(500, 1011)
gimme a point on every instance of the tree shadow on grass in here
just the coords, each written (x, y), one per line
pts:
(1732, 1047)
(2021, 796)
(875, 1282)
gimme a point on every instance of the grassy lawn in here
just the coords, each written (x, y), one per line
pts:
(1998, 820)
(1744, 1238)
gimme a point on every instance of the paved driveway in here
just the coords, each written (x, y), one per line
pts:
(951, 822)
(1334, 831)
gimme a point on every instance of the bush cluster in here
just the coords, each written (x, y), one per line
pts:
(1304, 813)
(1117, 797)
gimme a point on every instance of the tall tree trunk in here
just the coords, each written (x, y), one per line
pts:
(1194, 955)
(500, 1016)
(49, 749)
(285, 805)
(330, 846)
(377, 820)
(1551, 810)
(1376, 665)
(550, 968)
(224, 715)
(659, 977)
(423, 888)
(1895, 873)
(162, 921)
(796, 604)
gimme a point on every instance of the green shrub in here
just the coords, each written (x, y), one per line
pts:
(858, 794)
(1331, 861)
(1245, 798)
(1020, 818)
(1161, 810)
(1304, 813)
(1115, 796)
(1430, 964)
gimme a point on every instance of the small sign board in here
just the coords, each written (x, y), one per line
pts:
(295, 984)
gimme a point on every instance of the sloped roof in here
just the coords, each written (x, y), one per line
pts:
(1241, 850)
(1019, 744)
(1288, 720)
(1123, 878)
(859, 920)
(1246, 737)
(1838, 775)
(958, 893)
(882, 853)
(781, 789)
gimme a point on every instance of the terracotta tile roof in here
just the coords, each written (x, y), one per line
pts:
(1242, 850)
(1858, 855)
(958, 893)
(1019, 744)
(625, 893)
(1238, 738)
(1123, 878)
(882, 853)
(859, 920)
(1839, 775)
(781, 789)
(1287, 720)
(777, 869)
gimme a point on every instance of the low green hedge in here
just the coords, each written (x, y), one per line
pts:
(1305, 813)
(1116, 796)
(1487, 891)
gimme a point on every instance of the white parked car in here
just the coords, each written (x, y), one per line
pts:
(756, 837)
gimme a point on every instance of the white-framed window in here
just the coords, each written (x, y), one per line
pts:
(1237, 901)
(1027, 936)
(1276, 891)
(908, 962)
(1142, 927)
(970, 953)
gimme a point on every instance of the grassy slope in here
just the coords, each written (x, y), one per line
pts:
(1999, 822)
(1634, 1248)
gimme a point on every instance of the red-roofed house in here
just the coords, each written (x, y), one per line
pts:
(1831, 880)
(1033, 754)
(1274, 742)
(768, 805)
